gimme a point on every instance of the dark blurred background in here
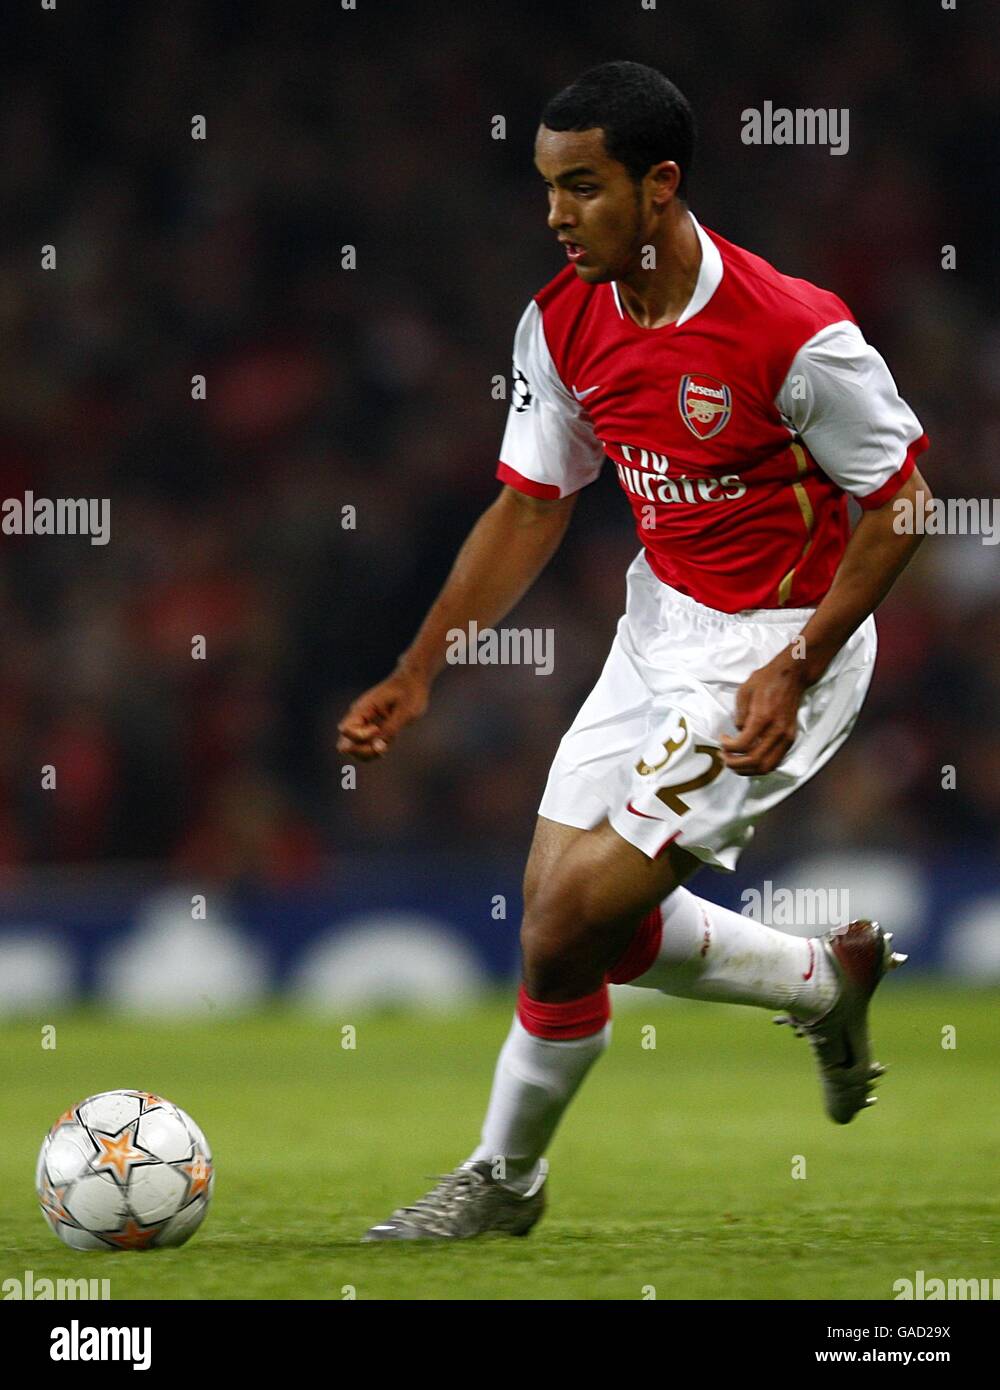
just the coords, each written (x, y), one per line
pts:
(371, 387)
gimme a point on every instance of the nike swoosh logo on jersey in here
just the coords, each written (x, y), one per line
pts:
(631, 808)
(580, 394)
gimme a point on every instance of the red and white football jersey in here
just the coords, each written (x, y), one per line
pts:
(736, 432)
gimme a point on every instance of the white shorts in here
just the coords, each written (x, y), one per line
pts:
(643, 751)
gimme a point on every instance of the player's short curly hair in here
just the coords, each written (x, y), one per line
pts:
(645, 118)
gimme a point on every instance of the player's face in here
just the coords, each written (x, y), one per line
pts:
(595, 208)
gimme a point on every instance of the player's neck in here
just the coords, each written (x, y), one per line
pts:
(659, 295)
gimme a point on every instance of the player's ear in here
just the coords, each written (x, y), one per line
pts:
(664, 179)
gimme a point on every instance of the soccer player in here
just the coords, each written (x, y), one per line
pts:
(740, 409)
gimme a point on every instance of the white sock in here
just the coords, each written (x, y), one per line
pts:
(535, 1080)
(709, 952)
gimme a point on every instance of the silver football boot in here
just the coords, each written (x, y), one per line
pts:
(468, 1202)
(861, 954)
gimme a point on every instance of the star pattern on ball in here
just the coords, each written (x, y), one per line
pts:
(117, 1152)
(68, 1117)
(51, 1198)
(149, 1101)
(198, 1172)
(132, 1237)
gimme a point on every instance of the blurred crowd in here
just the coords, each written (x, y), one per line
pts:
(371, 388)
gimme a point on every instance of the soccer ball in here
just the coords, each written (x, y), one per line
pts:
(124, 1170)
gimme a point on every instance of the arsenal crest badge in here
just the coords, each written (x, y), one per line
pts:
(705, 404)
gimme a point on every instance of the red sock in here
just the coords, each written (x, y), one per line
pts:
(641, 951)
(578, 1018)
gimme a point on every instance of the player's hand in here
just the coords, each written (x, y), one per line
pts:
(767, 706)
(376, 717)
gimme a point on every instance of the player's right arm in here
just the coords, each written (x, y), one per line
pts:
(501, 558)
(549, 452)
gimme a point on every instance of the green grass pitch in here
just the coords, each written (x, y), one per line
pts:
(671, 1176)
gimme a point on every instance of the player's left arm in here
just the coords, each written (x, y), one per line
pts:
(767, 703)
(839, 397)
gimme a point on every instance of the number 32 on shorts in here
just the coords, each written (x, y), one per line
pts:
(670, 794)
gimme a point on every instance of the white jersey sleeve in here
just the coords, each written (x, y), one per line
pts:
(549, 446)
(839, 396)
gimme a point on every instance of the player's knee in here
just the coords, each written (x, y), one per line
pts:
(544, 885)
(531, 886)
(557, 963)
